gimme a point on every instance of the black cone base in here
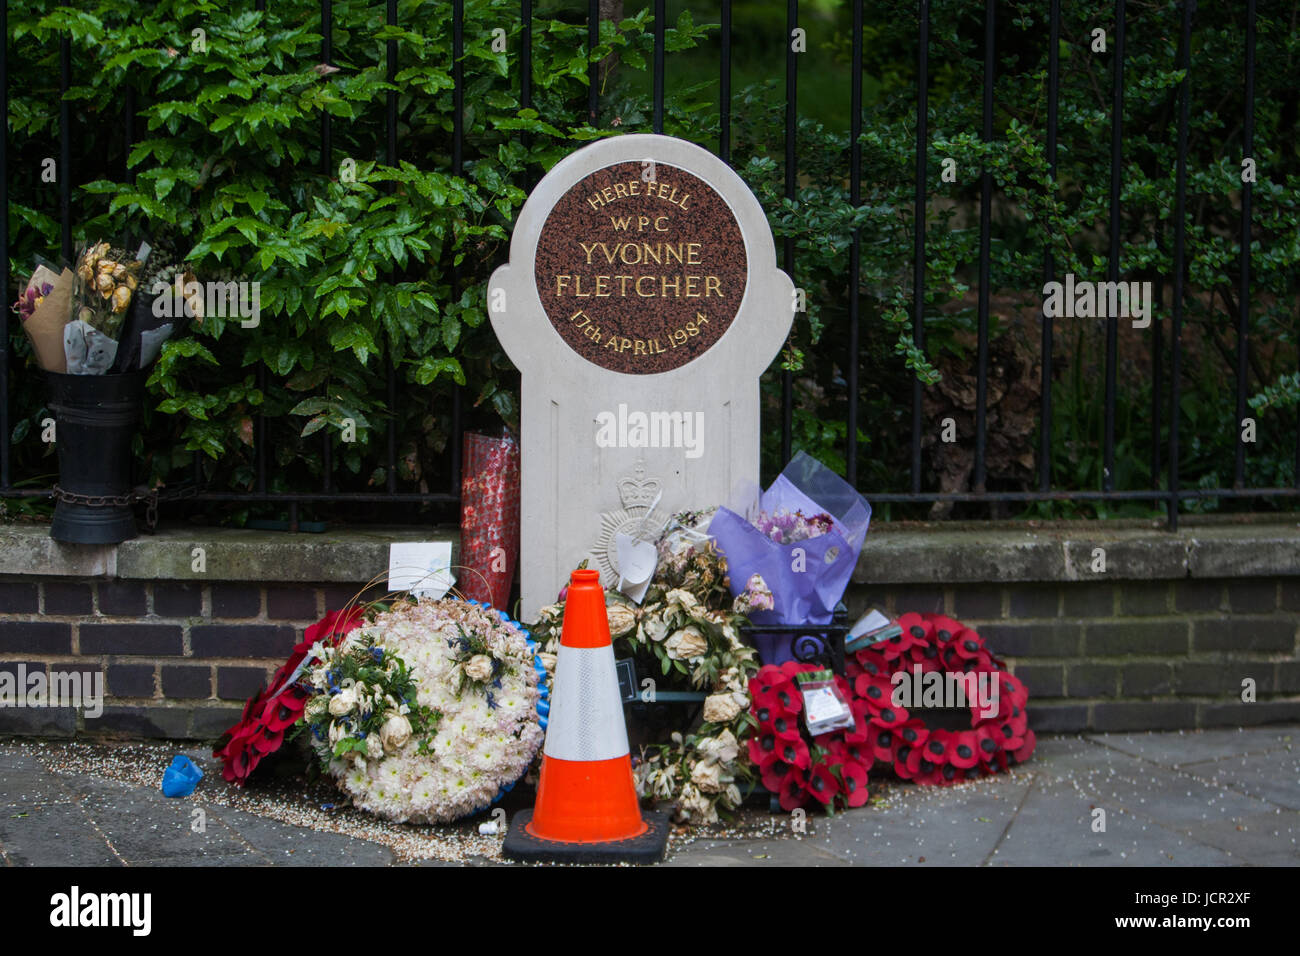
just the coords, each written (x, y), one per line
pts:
(647, 848)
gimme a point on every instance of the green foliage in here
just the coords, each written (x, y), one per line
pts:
(372, 262)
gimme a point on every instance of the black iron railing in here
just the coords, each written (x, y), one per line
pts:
(1165, 457)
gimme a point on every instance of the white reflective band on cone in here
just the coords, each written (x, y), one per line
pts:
(586, 709)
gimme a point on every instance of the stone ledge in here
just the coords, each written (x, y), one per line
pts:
(345, 556)
(901, 553)
(918, 553)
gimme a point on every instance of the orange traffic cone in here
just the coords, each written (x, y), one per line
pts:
(587, 809)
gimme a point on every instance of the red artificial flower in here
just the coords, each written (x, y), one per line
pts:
(944, 628)
(762, 750)
(876, 690)
(1027, 748)
(794, 752)
(964, 752)
(861, 729)
(792, 791)
(854, 777)
(880, 742)
(937, 749)
(822, 784)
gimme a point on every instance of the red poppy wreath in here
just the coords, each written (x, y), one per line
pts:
(831, 768)
(999, 733)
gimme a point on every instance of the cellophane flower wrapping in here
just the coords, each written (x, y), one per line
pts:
(489, 517)
(807, 577)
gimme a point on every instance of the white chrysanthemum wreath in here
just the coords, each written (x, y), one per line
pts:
(428, 711)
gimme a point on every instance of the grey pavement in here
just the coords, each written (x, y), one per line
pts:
(1204, 798)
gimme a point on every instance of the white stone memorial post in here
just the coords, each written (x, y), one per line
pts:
(641, 304)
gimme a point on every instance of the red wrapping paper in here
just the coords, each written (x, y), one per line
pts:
(489, 518)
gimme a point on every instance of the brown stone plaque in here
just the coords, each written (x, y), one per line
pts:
(640, 268)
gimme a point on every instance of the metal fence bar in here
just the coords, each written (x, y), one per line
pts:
(855, 250)
(4, 250)
(259, 433)
(593, 67)
(1157, 371)
(526, 54)
(326, 54)
(724, 87)
(1243, 292)
(1180, 258)
(918, 263)
(985, 253)
(65, 148)
(791, 174)
(390, 159)
(457, 169)
(1116, 227)
(660, 16)
(327, 168)
(1049, 257)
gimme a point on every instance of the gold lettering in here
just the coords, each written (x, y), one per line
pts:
(691, 283)
(561, 279)
(602, 286)
(712, 284)
(659, 219)
(620, 190)
(645, 295)
(676, 283)
(692, 253)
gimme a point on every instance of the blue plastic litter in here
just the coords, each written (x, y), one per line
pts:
(180, 779)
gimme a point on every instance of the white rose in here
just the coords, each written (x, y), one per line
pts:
(342, 702)
(374, 747)
(621, 619)
(720, 708)
(479, 667)
(653, 629)
(685, 598)
(337, 732)
(395, 733)
(548, 661)
(707, 775)
(686, 644)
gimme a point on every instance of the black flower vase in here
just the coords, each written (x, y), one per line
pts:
(95, 420)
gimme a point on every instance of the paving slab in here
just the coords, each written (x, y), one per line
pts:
(29, 786)
(1055, 827)
(949, 826)
(54, 834)
(1268, 839)
(144, 825)
(1183, 747)
(286, 845)
(780, 852)
(1273, 777)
